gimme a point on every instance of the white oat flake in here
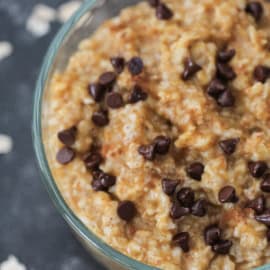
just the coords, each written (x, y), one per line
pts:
(12, 263)
(39, 21)
(5, 145)
(65, 11)
(6, 49)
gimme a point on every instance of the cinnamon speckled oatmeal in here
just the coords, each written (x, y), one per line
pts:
(157, 133)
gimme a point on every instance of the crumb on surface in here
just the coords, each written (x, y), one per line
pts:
(6, 49)
(5, 144)
(12, 263)
(66, 10)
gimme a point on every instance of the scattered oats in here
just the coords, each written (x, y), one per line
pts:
(65, 11)
(5, 145)
(12, 263)
(44, 13)
(39, 21)
(6, 49)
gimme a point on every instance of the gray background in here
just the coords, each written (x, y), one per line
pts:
(30, 227)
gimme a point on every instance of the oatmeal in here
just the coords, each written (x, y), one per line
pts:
(157, 133)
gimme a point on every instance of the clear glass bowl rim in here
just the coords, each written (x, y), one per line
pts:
(47, 177)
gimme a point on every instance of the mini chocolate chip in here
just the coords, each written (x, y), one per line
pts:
(126, 210)
(226, 99)
(135, 66)
(264, 218)
(257, 168)
(228, 146)
(68, 136)
(215, 88)
(178, 211)
(212, 235)
(227, 195)
(100, 118)
(118, 64)
(96, 91)
(137, 94)
(226, 56)
(97, 185)
(258, 204)
(162, 144)
(265, 184)
(225, 72)
(268, 235)
(153, 3)
(148, 151)
(261, 73)
(169, 186)
(163, 12)
(92, 160)
(195, 170)
(255, 9)
(186, 197)
(65, 155)
(222, 247)
(199, 208)
(190, 69)
(114, 100)
(107, 180)
(107, 79)
(182, 240)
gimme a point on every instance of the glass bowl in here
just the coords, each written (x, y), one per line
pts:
(83, 23)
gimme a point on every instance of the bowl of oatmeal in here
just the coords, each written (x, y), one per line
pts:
(151, 129)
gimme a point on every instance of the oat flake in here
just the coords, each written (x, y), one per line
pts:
(6, 49)
(5, 145)
(12, 263)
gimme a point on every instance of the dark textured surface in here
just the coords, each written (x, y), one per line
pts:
(30, 227)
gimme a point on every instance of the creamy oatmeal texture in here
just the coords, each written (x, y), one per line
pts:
(166, 158)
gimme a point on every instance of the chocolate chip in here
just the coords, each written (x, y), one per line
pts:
(169, 186)
(186, 197)
(163, 12)
(135, 66)
(68, 136)
(153, 3)
(65, 155)
(226, 99)
(222, 247)
(265, 184)
(97, 185)
(228, 146)
(107, 79)
(92, 160)
(137, 94)
(268, 235)
(126, 210)
(96, 91)
(227, 195)
(178, 211)
(258, 205)
(257, 168)
(195, 171)
(212, 235)
(100, 118)
(199, 208)
(264, 218)
(182, 240)
(118, 64)
(255, 9)
(107, 180)
(162, 144)
(148, 151)
(226, 56)
(225, 72)
(216, 88)
(261, 73)
(114, 100)
(190, 69)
